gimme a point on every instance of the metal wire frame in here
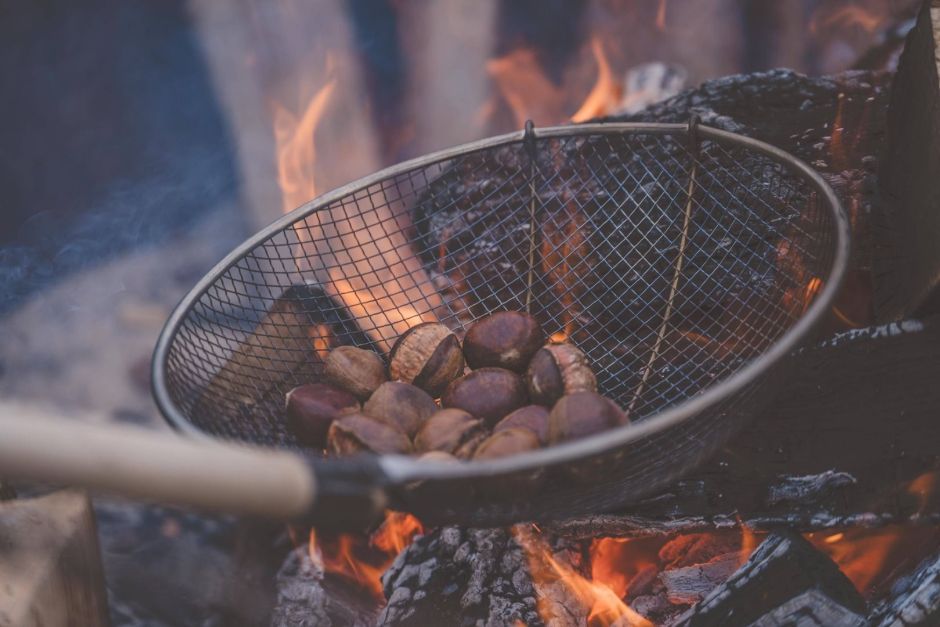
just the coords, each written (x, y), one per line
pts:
(767, 246)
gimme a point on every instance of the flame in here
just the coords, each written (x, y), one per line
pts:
(530, 94)
(661, 16)
(296, 150)
(872, 558)
(363, 559)
(604, 606)
(851, 15)
(605, 94)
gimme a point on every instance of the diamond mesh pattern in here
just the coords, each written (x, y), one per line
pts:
(609, 211)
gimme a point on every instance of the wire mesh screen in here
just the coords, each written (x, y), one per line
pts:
(671, 264)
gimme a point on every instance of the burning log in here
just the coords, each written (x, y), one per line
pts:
(907, 260)
(783, 567)
(915, 599)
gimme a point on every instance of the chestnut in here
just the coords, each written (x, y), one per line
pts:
(531, 417)
(487, 393)
(507, 442)
(427, 355)
(356, 370)
(582, 414)
(358, 433)
(452, 431)
(507, 339)
(556, 370)
(401, 404)
(311, 408)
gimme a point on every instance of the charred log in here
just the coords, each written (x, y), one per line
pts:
(783, 567)
(810, 609)
(460, 576)
(915, 599)
(305, 596)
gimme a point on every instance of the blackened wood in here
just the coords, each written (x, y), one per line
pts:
(810, 609)
(784, 566)
(305, 596)
(455, 576)
(915, 599)
(856, 424)
(907, 261)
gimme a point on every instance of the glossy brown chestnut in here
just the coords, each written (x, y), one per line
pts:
(506, 339)
(582, 414)
(311, 408)
(487, 393)
(356, 370)
(451, 431)
(427, 355)
(507, 442)
(531, 417)
(358, 433)
(401, 404)
(556, 370)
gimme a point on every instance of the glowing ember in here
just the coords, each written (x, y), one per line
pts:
(363, 559)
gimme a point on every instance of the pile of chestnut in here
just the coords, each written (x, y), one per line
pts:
(505, 391)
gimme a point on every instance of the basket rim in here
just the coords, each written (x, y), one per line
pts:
(400, 468)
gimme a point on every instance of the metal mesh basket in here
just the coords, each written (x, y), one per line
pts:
(686, 262)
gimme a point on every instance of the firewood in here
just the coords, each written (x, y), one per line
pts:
(907, 260)
(915, 599)
(783, 567)
(297, 331)
(808, 609)
(49, 563)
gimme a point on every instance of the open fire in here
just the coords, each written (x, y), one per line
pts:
(614, 571)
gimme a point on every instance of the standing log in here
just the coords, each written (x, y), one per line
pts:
(907, 259)
(50, 566)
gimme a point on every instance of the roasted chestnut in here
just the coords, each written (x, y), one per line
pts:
(311, 408)
(427, 355)
(358, 433)
(506, 339)
(582, 414)
(401, 404)
(487, 393)
(356, 370)
(531, 417)
(507, 442)
(556, 370)
(452, 431)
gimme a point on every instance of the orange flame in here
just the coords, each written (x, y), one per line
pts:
(603, 605)
(661, 16)
(851, 15)
(605, 93)
(530, 94)
(296, 151)
(362, 560)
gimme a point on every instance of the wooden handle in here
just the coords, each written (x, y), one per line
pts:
(153, 466)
